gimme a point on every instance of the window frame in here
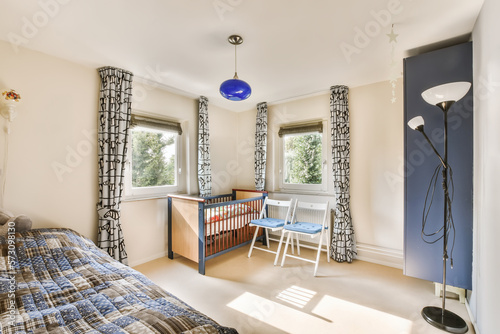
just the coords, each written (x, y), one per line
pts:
(296, 187)
(153, 123)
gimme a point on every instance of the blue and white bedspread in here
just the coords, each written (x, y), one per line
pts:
(57, 281)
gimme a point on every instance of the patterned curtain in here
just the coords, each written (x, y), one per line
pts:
(343, 245)
(114, 120)
(204, 167)
(260, 146)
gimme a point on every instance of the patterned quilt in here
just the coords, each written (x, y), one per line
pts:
(57, 281)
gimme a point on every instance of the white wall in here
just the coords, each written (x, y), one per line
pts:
(376, 163)
(486, 264)
(245, 173)
(377, 187)
(223, 149)
(144, 222)
(52, 165)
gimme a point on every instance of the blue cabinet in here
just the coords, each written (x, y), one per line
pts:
(423, 260)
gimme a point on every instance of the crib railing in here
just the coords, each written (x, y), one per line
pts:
(218, 199)
(226, 224)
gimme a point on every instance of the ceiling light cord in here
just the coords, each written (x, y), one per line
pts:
(235, 64)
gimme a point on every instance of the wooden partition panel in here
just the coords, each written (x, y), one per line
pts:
(244, 194)
(185, 227)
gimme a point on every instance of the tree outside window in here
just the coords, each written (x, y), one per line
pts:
(303, 159)
(153, 157)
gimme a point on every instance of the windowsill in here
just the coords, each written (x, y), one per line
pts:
(145, 197)
(134, 198)
(302, 192)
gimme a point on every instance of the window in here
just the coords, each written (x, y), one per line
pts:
(153, 154)
(303, 157)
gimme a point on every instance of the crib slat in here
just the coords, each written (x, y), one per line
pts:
(211, 230)
(219, 229)
(223, 233)
(232, 226)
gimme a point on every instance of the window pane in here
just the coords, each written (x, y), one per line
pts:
(153, 157)
(302, 159)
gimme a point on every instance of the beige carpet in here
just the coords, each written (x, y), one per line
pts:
(253, 296)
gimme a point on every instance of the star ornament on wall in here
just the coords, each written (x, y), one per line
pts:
(392, 36)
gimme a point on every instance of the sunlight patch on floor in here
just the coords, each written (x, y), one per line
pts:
(354, 318)
(296, 296)
(277, 315)
(330, 315)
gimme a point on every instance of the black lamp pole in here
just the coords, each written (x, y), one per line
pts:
(440, 317)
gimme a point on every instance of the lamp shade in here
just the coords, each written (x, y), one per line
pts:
(452, 91)
(415, 122)
(235, 90)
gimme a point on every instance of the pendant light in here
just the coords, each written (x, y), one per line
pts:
(235, 89)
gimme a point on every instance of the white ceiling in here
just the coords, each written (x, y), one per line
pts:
(291, 48)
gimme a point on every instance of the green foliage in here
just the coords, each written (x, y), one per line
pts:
(150, 166)
(303, 159)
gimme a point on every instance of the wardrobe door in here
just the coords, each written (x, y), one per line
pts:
(422, 259)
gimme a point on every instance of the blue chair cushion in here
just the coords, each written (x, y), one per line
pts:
(269, 222)
(309, 228)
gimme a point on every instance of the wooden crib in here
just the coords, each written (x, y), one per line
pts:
(200, 228)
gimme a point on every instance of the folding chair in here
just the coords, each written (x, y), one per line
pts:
(309, 219)
(274, 215)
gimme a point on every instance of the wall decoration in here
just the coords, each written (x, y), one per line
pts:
(260, 146)
(394, 64)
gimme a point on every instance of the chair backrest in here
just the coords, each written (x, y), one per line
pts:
(273, 208)
(311, 213)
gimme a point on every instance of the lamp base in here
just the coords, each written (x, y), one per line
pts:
(450, 322)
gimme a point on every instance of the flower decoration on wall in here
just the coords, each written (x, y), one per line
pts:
(10, 99)
(11, 95)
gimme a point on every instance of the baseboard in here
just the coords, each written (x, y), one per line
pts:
(147, 259)
(471, 316)
(369, 253)
(380, 255)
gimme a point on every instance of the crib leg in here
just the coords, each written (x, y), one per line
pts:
(201, 267)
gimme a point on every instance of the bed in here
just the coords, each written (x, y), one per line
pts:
(57, 281)
(200, 228)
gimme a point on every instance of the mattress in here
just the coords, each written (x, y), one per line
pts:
(228, 218)
(57, 281)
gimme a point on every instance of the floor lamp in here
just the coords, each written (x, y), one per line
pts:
(443, 96)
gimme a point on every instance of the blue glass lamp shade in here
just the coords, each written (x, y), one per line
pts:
(235, 90)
